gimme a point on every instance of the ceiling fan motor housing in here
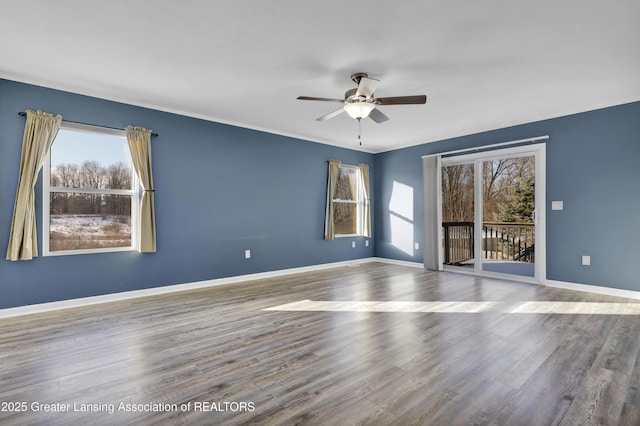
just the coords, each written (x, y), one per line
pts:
(350, 96)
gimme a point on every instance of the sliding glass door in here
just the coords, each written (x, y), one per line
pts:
(492, 206)
(458, 214)
(508, 207)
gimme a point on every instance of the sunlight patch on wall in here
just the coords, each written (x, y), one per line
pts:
(401, 217)
(402, 200)
(401, 234)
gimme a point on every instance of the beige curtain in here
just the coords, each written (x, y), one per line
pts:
(431, 175)
(364, 172)
(334, 172)
(40, 130)
(140, 146)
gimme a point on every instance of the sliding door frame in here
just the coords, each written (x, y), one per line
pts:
(538, 150)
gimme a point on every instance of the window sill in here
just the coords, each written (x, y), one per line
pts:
(86, 251)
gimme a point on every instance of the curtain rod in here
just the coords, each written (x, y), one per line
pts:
(24, 114)
(483, 147)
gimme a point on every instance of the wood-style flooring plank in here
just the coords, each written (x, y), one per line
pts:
(213, 347)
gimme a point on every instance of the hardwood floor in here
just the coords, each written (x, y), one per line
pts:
(439, 349)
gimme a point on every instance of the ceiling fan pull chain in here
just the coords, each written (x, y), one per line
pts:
(359, 130)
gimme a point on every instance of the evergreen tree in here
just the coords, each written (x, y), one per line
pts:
(522, 202)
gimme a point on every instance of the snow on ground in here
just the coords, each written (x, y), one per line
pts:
(90, 224)
(73, 232)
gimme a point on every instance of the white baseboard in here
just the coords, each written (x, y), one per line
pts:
(126, 295)
(397, 262)
(608, 291)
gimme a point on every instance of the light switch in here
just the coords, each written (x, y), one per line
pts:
(586, 260)
(557, 205)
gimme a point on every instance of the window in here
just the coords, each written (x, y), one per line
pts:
(348, 202)
(90, 192)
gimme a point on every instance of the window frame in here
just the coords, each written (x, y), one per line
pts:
(47, 190)
(359, 201)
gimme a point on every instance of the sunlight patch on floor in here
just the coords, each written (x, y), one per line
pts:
(455, 307)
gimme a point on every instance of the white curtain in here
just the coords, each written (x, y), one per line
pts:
(334, 172)
(40, 130)
(364, 173)
(432, 212)
(140, 146)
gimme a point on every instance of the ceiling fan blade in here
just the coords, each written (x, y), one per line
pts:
(367, 86)
(311, 98)
(330, 115)
(377, 116)
(401, 100)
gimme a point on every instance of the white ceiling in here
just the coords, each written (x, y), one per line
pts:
(483, 64)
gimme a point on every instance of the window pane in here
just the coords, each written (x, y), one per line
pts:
(89, 221)
(457, 193)
(90, 160)
(345, 218)
(458, 214)
(347, 185)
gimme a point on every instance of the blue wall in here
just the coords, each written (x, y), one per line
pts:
(593, 165)
(220, 190)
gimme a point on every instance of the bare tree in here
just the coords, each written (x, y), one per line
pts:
(457, 193)
(504, 182)
(119, 176)
(494, 179)
(90, 175)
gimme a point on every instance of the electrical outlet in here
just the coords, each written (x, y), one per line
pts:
(586, 260)
(366, 243)
(247, 254)
(416, 246)
(353, 244)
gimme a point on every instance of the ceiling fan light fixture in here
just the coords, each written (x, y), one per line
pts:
(358, 110)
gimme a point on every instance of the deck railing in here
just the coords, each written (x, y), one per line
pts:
(500, 241)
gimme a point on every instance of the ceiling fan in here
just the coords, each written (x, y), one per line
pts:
(360, 103)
